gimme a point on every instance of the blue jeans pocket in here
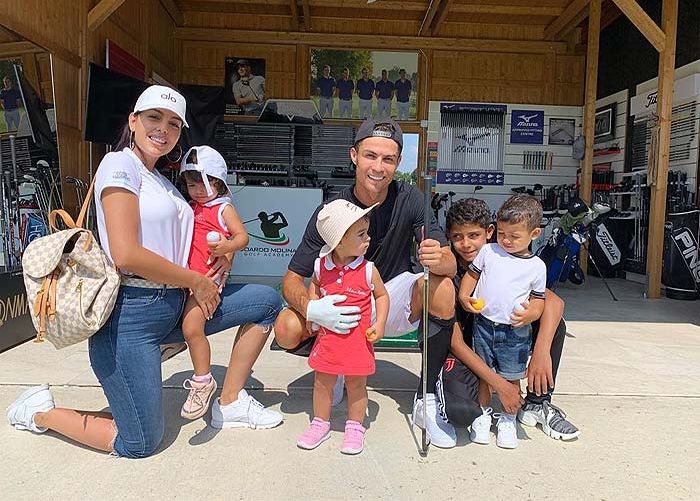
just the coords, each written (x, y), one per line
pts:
(138, 296)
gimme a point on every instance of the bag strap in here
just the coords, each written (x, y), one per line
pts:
(67, 219)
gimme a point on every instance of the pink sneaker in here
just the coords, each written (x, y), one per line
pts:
(354, 438)
(318, 432)
(198, 399)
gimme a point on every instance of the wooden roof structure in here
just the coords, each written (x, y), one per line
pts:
(549, 20)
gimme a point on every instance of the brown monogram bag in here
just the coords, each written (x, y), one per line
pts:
(70, 283)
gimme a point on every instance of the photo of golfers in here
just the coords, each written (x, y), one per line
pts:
(11, 105)
(364, 84)
(245, 85)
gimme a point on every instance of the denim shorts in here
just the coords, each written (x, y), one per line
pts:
(503, 347)
(125, 352)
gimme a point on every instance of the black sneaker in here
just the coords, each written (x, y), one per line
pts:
(552, 419)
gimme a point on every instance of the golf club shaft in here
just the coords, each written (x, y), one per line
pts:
(427, 184)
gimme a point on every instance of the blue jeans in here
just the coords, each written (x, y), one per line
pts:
(125, 352)
(503, 347)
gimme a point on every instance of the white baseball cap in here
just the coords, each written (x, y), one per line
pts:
(335, 219)
(159, 96)
(207, 161)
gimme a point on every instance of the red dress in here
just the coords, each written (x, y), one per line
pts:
(206, 218)
(348, 354)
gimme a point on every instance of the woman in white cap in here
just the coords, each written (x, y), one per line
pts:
(145, 227)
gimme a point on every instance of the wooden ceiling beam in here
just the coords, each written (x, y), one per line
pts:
(100, 12)
(572, 16)
(369, 41)
(8, 49)
(307, 14)
(295, 14)
(643, 22)
(173, 11)
(445, 7)
(427, 23)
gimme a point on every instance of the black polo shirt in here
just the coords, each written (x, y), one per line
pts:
(394, 226)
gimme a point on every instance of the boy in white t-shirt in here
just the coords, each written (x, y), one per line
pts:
(506, 276)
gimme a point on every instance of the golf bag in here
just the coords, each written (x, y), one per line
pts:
(561, 253)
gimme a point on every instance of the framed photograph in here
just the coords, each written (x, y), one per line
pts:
(11, 103)
(605, 123)
(244, 82)
(562, 131)
(364, 83)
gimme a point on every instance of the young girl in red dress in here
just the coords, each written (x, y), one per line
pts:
(217, 231)
(341, 268)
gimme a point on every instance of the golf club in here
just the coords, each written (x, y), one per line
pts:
(427, 184)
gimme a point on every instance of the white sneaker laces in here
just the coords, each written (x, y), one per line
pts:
(195, 393)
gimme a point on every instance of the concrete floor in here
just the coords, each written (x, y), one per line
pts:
(630, 379)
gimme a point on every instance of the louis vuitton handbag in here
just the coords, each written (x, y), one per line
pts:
(71, 286)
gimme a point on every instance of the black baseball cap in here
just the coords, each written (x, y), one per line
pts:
(242, 62)
(381, 127)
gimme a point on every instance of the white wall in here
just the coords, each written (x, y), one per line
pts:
(617, 161)
(563, 166)
(686, 95)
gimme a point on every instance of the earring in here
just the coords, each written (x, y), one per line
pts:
(131, 140)
(178, 157)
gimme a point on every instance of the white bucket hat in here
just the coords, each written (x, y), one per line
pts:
(335, 219)
(208, 162)
(159, 96)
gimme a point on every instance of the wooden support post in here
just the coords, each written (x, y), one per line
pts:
(643, 22)
(294, 8)
(425, 26)
(586, 179)
(657, 174)
(100, 12)
(306, 10)
(589, 106)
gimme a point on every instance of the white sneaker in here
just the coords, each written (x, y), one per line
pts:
(440, 432)
(338, 390)
(481, 428)
(246, 412)
(21, 412)
(506, 437)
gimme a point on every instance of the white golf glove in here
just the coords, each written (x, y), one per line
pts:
(325, 313)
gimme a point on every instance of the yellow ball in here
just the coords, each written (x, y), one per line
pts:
(478, 303)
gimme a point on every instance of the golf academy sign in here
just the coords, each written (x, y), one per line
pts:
(275, 219)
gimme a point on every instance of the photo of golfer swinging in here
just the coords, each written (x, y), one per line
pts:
(245, 85)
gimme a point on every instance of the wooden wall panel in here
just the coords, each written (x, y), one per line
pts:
(161, 40)
(203, 64)
(494, 31)
(237, 21)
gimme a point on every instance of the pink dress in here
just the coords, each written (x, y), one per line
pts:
(207, 218)
(348, 354)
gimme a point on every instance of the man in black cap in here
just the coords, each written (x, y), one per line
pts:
(395, 224)
(249, 89)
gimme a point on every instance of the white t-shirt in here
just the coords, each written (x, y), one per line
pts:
(506, 281)
(166, 219)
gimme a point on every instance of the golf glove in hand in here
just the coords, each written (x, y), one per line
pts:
(325, 313)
